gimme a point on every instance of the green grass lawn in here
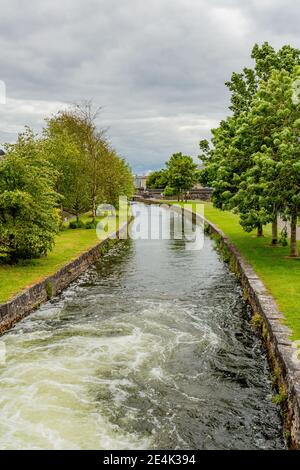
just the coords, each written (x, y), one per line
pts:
(280, 274)
(69, 244)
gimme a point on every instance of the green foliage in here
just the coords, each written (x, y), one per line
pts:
(243, 86)
(178, 178)
(72, 166)
(169, 191)
(271, 185)
(92, 224)
(280, 397)
(276, 376)
(69, 244)
(182, 174)
(73, 224)
(252, 163)
(117, 180)
(257, 321)
(283, 237)
(158, 179)
(28, 218)
(62, 140)
(91, 171)
(49, 290)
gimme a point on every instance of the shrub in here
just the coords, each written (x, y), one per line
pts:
(49, 290)
(91, 224)
(73, 224)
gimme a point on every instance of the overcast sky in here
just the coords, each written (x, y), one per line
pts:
(157, 68)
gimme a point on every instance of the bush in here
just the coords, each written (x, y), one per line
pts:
(91, 224)
(49, 290)
(73, 224)
(29, 219)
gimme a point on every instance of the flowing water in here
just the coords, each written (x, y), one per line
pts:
(152, 348)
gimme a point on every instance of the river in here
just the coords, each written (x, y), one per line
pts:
(151, 348)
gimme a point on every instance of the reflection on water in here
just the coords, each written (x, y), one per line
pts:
(152, 348)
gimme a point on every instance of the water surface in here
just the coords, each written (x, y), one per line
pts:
(151, 348)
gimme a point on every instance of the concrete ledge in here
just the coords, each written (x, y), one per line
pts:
(30, 299)
(282, 352)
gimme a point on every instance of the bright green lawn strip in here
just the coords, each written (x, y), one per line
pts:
(280, 274)
(69, 245)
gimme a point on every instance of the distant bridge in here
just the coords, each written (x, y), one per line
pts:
(203, 194)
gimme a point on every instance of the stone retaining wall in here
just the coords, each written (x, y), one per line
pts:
(283, 354)
(30, 299)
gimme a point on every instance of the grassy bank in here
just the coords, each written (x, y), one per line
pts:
(69, 244)
(280, 274)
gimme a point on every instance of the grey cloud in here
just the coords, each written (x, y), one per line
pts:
(158, 68)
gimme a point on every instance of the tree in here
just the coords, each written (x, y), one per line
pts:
(117, 179)
(273, 177)
(231, 159)
(91, 171)
(94, 144)
(182, 173)
(244, 85)
(61, 143)
(28, 216)
(283, 150)
(157, 179)
(109, 176)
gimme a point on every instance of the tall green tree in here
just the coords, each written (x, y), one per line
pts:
(182, 174)
(244, 85)
(64, 151)
(108, 174)
(240, 137)
(94, 145)
(91, 171)
(271, 185)
(117, 179)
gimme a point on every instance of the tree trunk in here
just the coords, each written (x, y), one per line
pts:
(260, 231)
(94, 209)
(94, 199)
(275, 231)
(294, 247)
